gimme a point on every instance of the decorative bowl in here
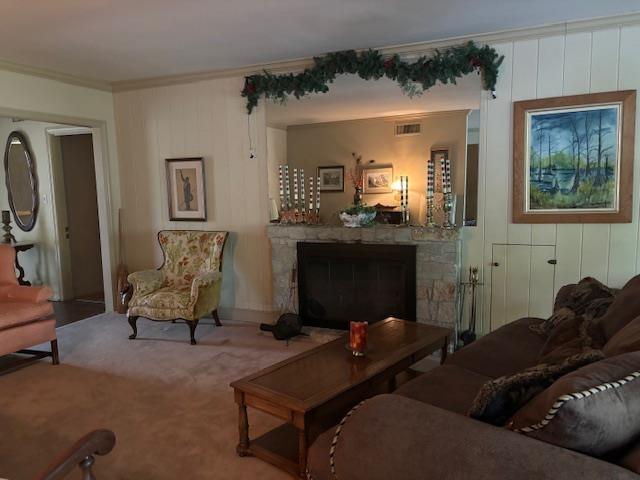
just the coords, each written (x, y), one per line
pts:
(357, 219)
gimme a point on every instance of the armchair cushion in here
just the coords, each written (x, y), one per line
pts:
(25, 294)
(189, 254)
(13, 314)
(146, 281)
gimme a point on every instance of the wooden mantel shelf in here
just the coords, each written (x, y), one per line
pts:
(395, 234)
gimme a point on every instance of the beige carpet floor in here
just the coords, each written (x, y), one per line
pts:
(169, 403)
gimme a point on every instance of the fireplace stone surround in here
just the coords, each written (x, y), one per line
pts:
(438, 258)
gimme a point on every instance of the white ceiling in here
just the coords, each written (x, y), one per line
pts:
(350, 98)
(114, 40)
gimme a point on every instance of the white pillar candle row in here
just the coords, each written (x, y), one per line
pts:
(318, 195)
(446, 175)
(295, 188)
(311, 194)
(303, 205)
(287, 187)
(431, 173)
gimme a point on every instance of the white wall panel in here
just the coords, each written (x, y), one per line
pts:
(575, 63)
(206, 119)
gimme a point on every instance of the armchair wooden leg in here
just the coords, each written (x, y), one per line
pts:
(192, 330)
(216, 319)
(55, 357)
(132, 322)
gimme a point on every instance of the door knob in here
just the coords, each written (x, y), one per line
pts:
(495, 264)
(553, 261)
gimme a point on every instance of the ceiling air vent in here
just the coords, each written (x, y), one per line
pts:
(406, 129)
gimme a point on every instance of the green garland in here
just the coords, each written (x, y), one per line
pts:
(413, 77)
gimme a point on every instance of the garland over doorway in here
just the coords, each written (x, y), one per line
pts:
(413, 77)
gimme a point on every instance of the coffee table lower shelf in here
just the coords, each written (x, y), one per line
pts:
(278, 447)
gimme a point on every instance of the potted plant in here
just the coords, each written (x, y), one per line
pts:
(357, 215)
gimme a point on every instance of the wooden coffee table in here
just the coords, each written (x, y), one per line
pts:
(313, 390)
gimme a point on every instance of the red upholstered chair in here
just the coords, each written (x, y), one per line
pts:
(26, 315)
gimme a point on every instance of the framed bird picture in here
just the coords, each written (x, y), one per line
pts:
(186, 189)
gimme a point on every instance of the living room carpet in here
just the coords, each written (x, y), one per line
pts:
(168, 402)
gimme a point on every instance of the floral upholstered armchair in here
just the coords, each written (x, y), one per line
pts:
(186, 286)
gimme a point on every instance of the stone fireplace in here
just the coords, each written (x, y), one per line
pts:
(437, 255)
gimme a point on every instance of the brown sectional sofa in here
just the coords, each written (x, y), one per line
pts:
(422, 431)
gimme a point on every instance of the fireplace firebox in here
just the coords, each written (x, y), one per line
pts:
(339, 282)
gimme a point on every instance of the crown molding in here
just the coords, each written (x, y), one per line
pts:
(295, 65)
(406, 50)
(53, 75)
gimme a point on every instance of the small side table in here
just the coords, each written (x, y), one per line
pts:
(22, 247)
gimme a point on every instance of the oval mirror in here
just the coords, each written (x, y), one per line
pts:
(21, 180)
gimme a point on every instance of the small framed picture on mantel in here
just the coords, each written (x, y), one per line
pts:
(186, 189)
(331, 178)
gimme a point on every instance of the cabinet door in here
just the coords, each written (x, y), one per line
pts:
(521, 282)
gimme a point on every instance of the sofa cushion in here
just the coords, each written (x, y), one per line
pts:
(14, 314)
(575, 335)
(504, 351)
(593, 410)
(448, 386)
(394, 438)
(630, 458)
(500, 398)
(624, 308)
(627, 339)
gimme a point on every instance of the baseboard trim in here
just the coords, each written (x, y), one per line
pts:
(246, 315)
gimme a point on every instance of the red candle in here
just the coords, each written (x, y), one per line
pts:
(358, 338)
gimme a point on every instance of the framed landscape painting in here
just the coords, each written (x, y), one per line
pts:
(331, 179)
(377, 179)
(185, 189)
(573, 158)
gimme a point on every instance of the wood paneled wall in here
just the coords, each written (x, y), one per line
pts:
(205, 119)
(575, 63)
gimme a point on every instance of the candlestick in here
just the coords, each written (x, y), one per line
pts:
(310, 194)
(295, 188)
(281, 186)
(303, 204)
(287, 188)
(431, 170)
(7, 237)
(318, 195)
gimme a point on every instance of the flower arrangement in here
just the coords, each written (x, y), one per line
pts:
(356, 175)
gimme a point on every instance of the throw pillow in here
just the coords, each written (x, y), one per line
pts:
(593, 410)
(498, 399)
(627, 339)
(576, 334)
(624, 308)
(577, 299)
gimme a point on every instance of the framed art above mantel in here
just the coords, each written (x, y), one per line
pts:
(573, 158)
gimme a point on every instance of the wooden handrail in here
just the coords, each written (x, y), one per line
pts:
(80, 455)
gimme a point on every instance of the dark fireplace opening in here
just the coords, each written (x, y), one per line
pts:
(340, 282)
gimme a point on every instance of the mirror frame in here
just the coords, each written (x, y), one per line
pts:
(35, 197)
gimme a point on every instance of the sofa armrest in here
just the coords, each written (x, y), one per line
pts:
(396, 437)
(146, 281)
(202, 281)
(25, 294)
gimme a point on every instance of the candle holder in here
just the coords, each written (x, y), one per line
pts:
(448, 206)
(430, 221)
(358, 338)
(6, 227)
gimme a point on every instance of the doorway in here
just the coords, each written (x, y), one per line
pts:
(76, 207)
